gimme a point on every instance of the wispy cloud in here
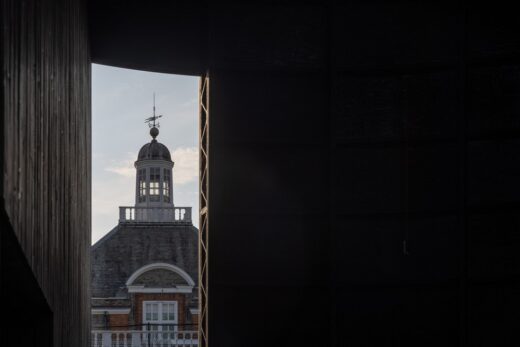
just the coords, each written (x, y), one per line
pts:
(122, 170)
(186, 167)
(124, 167)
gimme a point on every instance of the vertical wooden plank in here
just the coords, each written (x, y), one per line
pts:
(46, 152)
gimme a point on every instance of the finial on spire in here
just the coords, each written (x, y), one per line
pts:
(151, 121)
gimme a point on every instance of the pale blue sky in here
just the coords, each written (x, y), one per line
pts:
(121, 100)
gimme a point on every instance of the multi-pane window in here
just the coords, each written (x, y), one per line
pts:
(166, 185)
(142, 185)
(151, 312)
(168, 312)
(162, 316)
(155, 178)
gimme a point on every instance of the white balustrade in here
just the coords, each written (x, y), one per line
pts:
(142, 338)
(175, 215)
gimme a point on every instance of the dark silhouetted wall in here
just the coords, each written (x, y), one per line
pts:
(45, 173)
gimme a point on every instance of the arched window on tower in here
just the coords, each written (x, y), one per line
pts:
(142, 185)
(155, 178)
(166, 185)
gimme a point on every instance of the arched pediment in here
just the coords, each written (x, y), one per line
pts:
(160, 266)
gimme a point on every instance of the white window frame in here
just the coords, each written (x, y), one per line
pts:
(159, 314)
(142, 186)
(166, 185)
(154, 187)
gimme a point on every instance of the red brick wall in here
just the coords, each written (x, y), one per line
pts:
(195, 320)
(115, 320)
(140, 297)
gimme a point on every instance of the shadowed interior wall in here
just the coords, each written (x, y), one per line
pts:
(46, 165)
(363, 166)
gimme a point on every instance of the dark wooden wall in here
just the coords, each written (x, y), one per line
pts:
(46, 161)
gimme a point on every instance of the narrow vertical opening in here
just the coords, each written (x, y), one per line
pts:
(145, 208)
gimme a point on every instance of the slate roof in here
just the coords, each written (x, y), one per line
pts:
(127, 248)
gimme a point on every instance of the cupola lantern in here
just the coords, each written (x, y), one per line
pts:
(154, 171)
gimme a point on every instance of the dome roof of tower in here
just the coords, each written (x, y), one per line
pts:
(154, 151)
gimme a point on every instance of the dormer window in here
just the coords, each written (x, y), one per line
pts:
(155, 178)
(166, 185)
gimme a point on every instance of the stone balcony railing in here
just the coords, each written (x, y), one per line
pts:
(140, 338)
(166, 215)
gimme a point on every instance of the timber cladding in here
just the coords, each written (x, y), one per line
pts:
(46, 152)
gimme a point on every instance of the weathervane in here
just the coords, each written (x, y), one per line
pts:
(151, 120)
